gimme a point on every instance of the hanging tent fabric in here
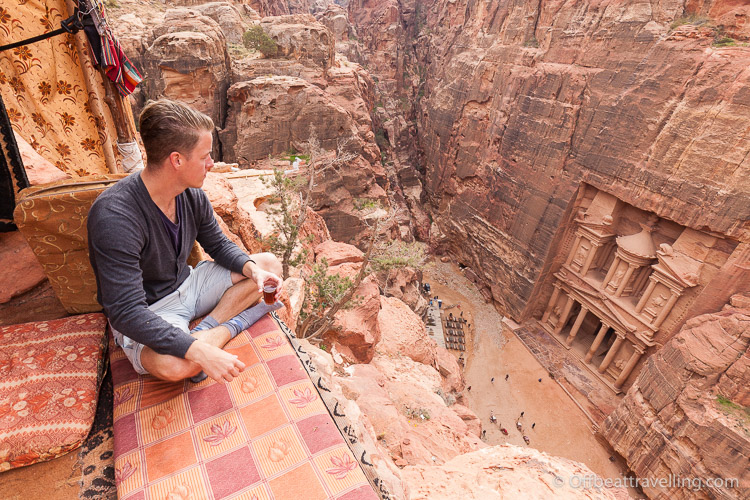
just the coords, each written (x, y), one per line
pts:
(12, 175)
(54, 96)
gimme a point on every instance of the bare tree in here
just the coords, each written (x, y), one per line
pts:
(293, 193)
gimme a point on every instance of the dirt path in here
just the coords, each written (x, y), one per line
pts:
(561, 428)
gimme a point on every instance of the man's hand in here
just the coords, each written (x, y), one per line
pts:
(262, 278)
(217, 363)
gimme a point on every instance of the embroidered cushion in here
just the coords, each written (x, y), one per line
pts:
(49, 382)
(266, 434)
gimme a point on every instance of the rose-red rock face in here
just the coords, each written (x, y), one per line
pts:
(399, 397)
(356, 328)
(21, 269)
(233, 218)
(271, 115)
(302, 38)
(404, 284)
(229, 18)
(403, 333)
(520, 106)
(337, 253)
(504, 471)
(684, 415)
(183, 55)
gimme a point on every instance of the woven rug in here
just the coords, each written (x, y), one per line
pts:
(96, 458)
(267, 434)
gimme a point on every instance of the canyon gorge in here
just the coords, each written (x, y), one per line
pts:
(585, 164)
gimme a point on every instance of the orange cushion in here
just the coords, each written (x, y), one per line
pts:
(49, 381)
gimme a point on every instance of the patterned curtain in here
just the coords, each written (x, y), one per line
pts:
(53, 95)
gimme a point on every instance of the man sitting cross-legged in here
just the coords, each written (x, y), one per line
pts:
(141, 232)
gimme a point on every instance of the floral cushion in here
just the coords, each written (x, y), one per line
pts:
(49, 381)
(267, 434)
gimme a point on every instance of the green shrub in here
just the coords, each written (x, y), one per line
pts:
(725, 41)
(693, 19)
(257, 39)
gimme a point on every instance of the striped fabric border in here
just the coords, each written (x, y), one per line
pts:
(335, 409)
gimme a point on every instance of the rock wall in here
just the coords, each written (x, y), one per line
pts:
(518, 103)
(264, 106)
(688, 414)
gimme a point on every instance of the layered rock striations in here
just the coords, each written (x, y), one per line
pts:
(521, 102)
(687, 414)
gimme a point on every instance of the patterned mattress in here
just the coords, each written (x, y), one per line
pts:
(265, 435)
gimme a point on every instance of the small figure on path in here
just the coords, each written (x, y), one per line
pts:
(506, 376)
(533, 425)
(440, 306)
(484, 433)
(493, 418)
(492, 380)
(468, 388)
(526, 439)
(519, 426)
(504, 430)
(540, 380)
(522, 413)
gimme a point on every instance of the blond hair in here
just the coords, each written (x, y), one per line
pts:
(167, 126)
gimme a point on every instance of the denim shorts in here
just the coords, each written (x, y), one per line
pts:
(196, 296)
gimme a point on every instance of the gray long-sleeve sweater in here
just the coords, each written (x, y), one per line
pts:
(136, 264)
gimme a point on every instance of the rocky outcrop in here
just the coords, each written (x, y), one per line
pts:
(356, 330)
(189, 60)
(505, 471)
(404, 284)
(336, 253)
(301, 38)
(183, 55)
(227, 16)
(234, 217)
(403, 333)
(335, 18)
(272, 115)
(400, 398)
(687, 414)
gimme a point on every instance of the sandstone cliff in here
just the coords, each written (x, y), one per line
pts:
(264, 106)
(687, 414)
(518, 103)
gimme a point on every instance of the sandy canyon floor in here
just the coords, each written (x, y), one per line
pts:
(561, 427)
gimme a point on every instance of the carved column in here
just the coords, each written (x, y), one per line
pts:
(576, 326)
(573, 250)
(597, 342)
(646, 295)
(666, 310)
(590, 258)
(626, 371)
(611, 272)
(552, 302)
(625, 279)
(611, 353)
(564, 315)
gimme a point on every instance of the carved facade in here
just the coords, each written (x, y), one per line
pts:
(627, 275)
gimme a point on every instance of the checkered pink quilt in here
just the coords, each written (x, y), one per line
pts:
(265, 435)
